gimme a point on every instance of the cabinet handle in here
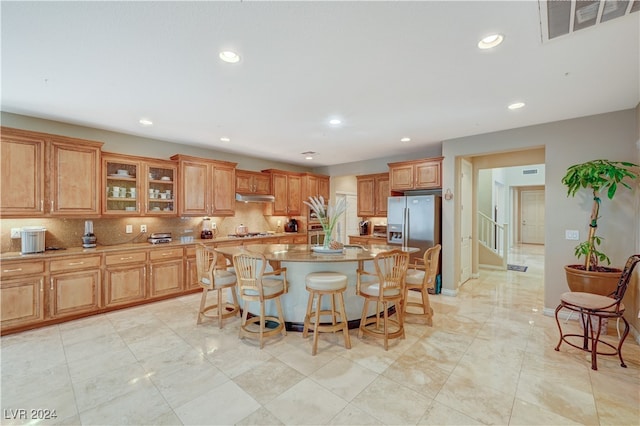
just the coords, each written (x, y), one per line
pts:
(51, 281)
(12, 270)
(41, 285)
(167, 254)
(42, 205)
(51, 205)
(126, 258)
(75, 263)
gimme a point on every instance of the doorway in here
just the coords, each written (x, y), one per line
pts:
(531, 216)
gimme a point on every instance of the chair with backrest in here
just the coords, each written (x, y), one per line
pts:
(594, 310)
(213, 276)
(422, 277)
(384, 287)
(257, 285)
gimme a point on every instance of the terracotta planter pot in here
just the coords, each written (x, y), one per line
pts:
(603, 283)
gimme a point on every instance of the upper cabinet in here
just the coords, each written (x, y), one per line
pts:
(314, 185)
(286, 187)
(417, 174)
(257, 183)
(137, 185)
(207, 187)
(373, 191)
(49, 175)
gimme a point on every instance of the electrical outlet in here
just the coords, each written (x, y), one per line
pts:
(143, 228)
(15, 232)
(571, 234)
(213, 225)
(128, 229)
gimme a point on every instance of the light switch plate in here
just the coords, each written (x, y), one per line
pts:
(129, 229)
(571, 234)
(15, 232)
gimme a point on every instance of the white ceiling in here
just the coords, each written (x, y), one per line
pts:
(388, 69)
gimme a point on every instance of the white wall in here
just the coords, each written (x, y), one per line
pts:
(612, 136)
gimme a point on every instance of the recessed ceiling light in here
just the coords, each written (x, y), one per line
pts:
(516, 105)
(229, 56)
(405, 140)
(225, 139)
(308, 157)
(490, 41)
(335, 121)
(145, 122)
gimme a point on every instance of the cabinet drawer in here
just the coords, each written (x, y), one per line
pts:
(14, 269)
(72, 264)
(162, 254)
(126, 257)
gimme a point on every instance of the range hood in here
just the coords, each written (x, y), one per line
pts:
(253, 198)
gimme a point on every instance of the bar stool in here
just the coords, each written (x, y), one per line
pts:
(330, 284)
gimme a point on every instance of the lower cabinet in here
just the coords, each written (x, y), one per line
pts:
(74, 286)
(125, 278)
(165, 271)
(22, 294)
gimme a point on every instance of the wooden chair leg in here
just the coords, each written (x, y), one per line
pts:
(314, 348)
(221, 307)
(203, 301)
(262, 324)
(363, 318)
(345, 322)
(307, 317)
(281, 316)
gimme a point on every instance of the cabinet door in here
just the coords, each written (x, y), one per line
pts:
(194, 187)
(428, 175)
(75, 179)
(295, 195)
(165, 277)
(323, 187)
(401, 177)
(262, 184)
(122, 188)
(244, 182)
(159, 192)
(74, 293)
(381, 195)
(22, 301)
(224, 197)
(366, 194)
(279, 186)
(22, 162)
(124, 284)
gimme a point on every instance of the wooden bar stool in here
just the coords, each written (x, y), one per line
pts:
(330, 284)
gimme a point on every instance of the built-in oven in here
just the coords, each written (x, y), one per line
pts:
(315, 234)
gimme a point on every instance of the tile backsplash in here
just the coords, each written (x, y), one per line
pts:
(66, 232)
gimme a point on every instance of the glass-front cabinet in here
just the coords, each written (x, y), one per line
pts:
(161, 188)
(121, 185)
(138, 186)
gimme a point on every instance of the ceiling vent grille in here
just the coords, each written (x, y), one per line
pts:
(562, 17)
(530, 171)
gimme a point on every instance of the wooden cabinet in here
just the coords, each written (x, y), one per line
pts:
(22, 293)
(22, 162)
(248, 182)
(366, 241)
(286, 187)
(293, 239)
(138, 186)
(373, 191)
(74, 285)
(48, 175)
(416, 174)
(165, 271)
(207, 187)
(125, 277)
(314, 185)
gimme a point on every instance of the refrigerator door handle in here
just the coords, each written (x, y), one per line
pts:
(405, 231)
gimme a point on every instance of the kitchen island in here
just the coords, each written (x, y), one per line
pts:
(300, 260)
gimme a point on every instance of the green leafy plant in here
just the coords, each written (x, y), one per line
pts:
(327, 217)
(598, 176)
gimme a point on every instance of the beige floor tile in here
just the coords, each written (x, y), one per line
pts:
(525, 413)
(352, 415)
(306, 403)
(268, 380)
(261, 416)
(343, 377)
(439, 414)
(413, 372)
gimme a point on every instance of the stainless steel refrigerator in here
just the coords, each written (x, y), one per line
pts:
(414, 221)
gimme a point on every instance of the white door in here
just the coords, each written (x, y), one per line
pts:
(532, 216)
(348, 223)
(466, 220)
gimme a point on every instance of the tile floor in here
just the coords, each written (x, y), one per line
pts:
(488, 359)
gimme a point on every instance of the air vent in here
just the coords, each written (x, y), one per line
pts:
(562, 17)
(530, 171)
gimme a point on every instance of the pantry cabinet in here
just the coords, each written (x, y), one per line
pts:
(287, 187)
(49, 175)
(415, 175)
(207, 187)
(256, 183)
(22, 293)
(373, 191)
(74, 285)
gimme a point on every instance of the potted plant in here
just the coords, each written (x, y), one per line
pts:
(597, 176)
